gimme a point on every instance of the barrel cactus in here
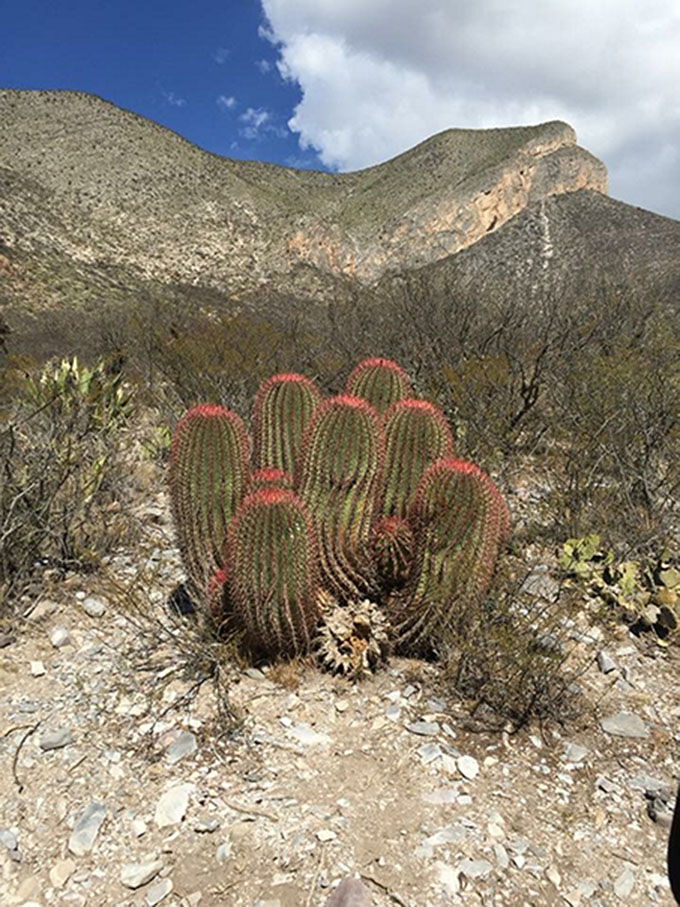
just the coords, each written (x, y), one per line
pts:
(283, 407)
(380, 382)
(460, 521)
(338, 478)
(271, 573)
(416, 434)
(208, 467)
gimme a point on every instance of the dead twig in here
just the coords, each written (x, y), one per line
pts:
(252, 811)
(15, 759)
(392, 895)
(317, 871)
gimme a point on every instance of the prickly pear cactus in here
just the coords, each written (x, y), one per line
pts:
(208, 466)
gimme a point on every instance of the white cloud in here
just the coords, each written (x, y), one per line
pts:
(258, 122)
(221, 55)
(226, 102)
(174, 100)
(379, 77)
(264, 66)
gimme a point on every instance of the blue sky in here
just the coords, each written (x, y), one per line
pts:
(200, 68)
(343, 84)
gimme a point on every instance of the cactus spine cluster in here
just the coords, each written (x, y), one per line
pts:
(353, 502)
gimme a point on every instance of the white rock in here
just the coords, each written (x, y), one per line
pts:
(623, 886)
(138, 827)
(86, 828)
(156, 892)
(468, 767)
(61, 872)
(37, 668)
(172, 806)
(134, 875)
(447, 877)
(94, 607)
(325, 834)
(59, 637)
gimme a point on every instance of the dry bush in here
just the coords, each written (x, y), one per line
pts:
(62, 475)
(516, 661)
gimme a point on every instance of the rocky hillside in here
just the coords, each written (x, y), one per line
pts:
(87, 184)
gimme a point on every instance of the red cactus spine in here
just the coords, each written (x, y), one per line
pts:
(271, 572)
(380, 382)
(268, 477)
(283, 407)
(460, 520)
(208, 460)
(416, 435)
(338, 478)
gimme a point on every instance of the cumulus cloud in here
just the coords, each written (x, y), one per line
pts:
(376, 78)
(221, 55)
(226, 102)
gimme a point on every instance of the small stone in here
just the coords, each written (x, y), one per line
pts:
(553, 876)
(350, 893)
(184, 745)
(468, 767)
(9, 839)
(443, 795)
(194, 899)
(55, 738)
(325, 834)
(574, 752)
(86, 828)
(172, 806)
(223, 852)
(605, 663)
(156, 892)
(647, 783)
(306, 735)
(138, 827)
(37, 668)
(605, 784)
(59, 637)
(501, 856)
(134, 875)
(428, 752)
(207, 825)
(393, 712)
(341, 705)
(624, 724)
(448, 877)
(423, 728)
(623, 885)
(29, 890)
(254, 674)
(475, 869)
(61, 872)
(540, 584)
(94, 607)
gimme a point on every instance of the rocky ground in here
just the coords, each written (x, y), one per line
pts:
(119, 789)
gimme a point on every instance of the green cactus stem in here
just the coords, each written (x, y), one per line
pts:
(283, 407)
(460, 520)
(208, 465)
(270, 559)
(392, 546)
(416, 435)
(338, 478)
(380, 382)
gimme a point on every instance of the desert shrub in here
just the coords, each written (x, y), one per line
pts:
(61, 478)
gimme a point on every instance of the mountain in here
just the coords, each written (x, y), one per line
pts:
(99, 204)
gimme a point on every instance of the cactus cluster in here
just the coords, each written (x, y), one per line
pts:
(352, 502)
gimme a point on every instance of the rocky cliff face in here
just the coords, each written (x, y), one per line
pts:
(100, 187)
